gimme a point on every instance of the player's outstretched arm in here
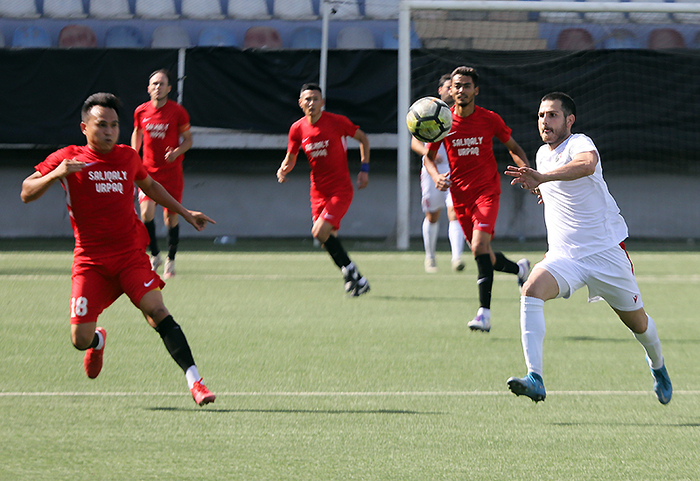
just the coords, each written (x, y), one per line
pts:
(517, 153)
(36, 184)
(158, 194)
(290, 160)
(363, 175)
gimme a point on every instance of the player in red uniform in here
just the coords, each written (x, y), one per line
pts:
(322, 136)
(158, 125)
(475, 184)
(110, 241)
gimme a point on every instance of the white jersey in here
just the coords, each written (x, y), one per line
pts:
(581, 216)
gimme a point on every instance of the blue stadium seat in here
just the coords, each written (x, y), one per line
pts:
(662, 38)
(304, 38)
(213, 36)
(170, 36)
(621, 38)
(124, 36)
(30, 36)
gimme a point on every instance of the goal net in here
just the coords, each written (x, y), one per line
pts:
(632, 68)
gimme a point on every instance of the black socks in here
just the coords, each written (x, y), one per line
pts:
(175, 342)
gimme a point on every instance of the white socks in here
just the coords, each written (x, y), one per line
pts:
(532, 329)
(192, 376)
(101, 342)
(430, 237)
(456, 235)
(652, 345)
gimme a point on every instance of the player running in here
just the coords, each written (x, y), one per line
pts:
(158, 125)
(110, 241)
(322, 136)
(475, 184)
(585, 234)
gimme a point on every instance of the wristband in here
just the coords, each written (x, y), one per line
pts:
(364, 166)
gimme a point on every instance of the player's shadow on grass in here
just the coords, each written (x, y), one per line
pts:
(299, 411)
(641, 425)
(607, 339)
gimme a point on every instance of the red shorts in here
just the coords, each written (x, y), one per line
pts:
(173, 182)
(98, 283)
(479, 215)
(331, 209)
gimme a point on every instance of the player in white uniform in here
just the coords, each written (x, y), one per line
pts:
(585, 234)
(433, 199)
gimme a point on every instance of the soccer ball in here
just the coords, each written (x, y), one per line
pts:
(429, 119)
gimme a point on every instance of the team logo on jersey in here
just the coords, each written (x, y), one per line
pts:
(316, 149)
(467, 146)
(157, 131)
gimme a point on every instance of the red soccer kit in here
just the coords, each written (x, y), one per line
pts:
(110, 240)
(476, 184)
(161, 129)
(325, 146)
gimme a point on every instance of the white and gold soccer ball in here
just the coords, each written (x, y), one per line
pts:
(429, 119)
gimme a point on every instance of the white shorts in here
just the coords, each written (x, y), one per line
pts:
(433, 199)
(609, 275)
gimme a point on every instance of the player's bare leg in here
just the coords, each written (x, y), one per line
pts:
(175, 342)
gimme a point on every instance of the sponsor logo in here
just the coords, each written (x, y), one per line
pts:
(148, 284)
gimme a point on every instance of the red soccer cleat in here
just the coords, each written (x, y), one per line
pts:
(93, 357)
(201, 394)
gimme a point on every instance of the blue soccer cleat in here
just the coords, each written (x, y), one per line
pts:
(530, 386)
(662, 384)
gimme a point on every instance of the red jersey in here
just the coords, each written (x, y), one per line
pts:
(161, 129)
(326, 148)
(100, 199)
(469, 148)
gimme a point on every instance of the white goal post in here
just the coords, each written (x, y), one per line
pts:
(404, 68)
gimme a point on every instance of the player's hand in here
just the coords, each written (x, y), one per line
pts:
(281, 176)
(527, 177)
(169, 157)
(67, 167)
(443, 182)
(362, 180)
(198, 220)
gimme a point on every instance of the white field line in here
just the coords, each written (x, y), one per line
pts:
(340, 394)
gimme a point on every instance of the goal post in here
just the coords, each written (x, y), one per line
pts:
(406, 10)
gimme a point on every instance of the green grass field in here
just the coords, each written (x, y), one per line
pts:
(312, 385)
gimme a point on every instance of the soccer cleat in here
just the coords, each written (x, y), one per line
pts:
(662, 384)
(93, 357)
(201, 394)
(156, 262)
(480, 323)
(430, 265)
(457, 265)
(523, 273)
(169, 268)
(530, 386)
(362, 287)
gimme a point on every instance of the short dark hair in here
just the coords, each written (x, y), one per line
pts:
(164, 71)
(102, 99)
(310, 86)
(467, 72)
(567, 103)
(444, 79)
